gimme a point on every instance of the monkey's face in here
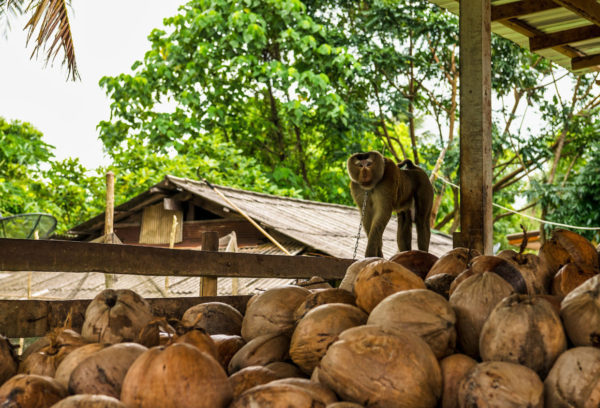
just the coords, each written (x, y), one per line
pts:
(365, 171)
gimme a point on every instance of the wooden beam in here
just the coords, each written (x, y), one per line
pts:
(540, 42)
(34, 318)
(68, 256)
(521, 8)
(588, 9)
(475, 126)
(585, 62)
(210, 242)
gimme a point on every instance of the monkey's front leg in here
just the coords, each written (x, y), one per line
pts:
(379, 221)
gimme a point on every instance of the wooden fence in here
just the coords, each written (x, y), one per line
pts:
(33, 318)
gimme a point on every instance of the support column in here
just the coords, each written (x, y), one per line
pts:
(475, 127)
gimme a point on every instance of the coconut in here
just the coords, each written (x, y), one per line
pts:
(261, 351)
(344, 404)
(8, 360)
(315, 283)
(176, 376)
(569, 277)
(285, 369)
(472, 301)
(273, 312)
(89, 401)
(277, 396)
(569, 247)
(574, 380)
(501, 384)
(580, 312)
(249, 377)
(37, 345)
(419, 262)
(333, 295)
(115, 316)
(538, 277)
(156, 333)
(380, 279)
(440, 284)
(524, 330)
(318, 329)
(45, 361)
(70, 362)
(318, 391)
(453, 262)
(200, 339)
(454, 368)
(31, 391)
(215, 318)
(422, 312)
(353, 270)
(382, 369)
(497, 265)
(103, 371)
(227, 346)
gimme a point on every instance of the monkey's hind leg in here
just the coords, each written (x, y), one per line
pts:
(404, 236)
(423, 206)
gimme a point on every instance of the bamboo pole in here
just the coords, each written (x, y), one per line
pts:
(171, 246)
(109, 219)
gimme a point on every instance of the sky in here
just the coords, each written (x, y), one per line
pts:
(109, 36)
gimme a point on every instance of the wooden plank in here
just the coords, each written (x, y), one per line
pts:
(521, 8)
(585, 62)
(210, 242)
(540, 42)
(588, 9)
(34, 318)
(67, 256)
(475, 126)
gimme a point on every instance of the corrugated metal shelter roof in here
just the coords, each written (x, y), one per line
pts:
(564, 31)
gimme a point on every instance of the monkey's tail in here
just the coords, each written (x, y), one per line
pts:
(409, 164)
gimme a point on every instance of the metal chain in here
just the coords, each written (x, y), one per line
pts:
(362, 214)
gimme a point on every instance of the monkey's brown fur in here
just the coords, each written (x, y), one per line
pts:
(391, 188)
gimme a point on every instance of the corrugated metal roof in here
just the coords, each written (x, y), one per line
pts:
(520, 29)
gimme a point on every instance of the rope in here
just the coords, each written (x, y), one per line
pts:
(525, 215)
(362, 214)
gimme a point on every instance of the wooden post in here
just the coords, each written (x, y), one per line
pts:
(210, 242)
(475, 127)
(109, 219)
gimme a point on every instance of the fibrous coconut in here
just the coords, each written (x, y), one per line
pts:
(580, 312)
(353, 270)
(419, 262)
(214, 318)
(31, 391)
(454, 368)
(89, 401)
(333, 295)
(8, 360)
(261, 351)
(249, 377)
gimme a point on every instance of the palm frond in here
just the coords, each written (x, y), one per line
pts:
(9, 9)
(50, 17)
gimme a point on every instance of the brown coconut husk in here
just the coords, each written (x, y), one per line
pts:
(157, 332)
(61, 342)
(580, 313)
(103, 372)
(9, 361)
(261, 351)
(315, 283)
(272, 312)
(422, 312)
(318, 329)
(176, 376)
(353, 270)
(574, 380)
(569, 277)
(440, 284)
(501, 384)
(89, 401)
(333, 295)
(318, 391)
(31, 391)
(497, 265)
(70, 362)
(565, 247)
(36, 346)
(454, 368)
(276, 396)
(285, 369)
(473, 301)
(453, 262)
(524, 330)
(227, 346)
(249, 377)
(344, 404)
(380, 279)
(214, 318)
(115, 316)
(356, 363)
(419, 262)
(201, 340)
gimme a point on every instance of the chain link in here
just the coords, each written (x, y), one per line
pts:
(362, 214)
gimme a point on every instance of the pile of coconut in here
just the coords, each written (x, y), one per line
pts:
(414, 331)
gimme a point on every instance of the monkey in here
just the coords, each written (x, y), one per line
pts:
(390, 187)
